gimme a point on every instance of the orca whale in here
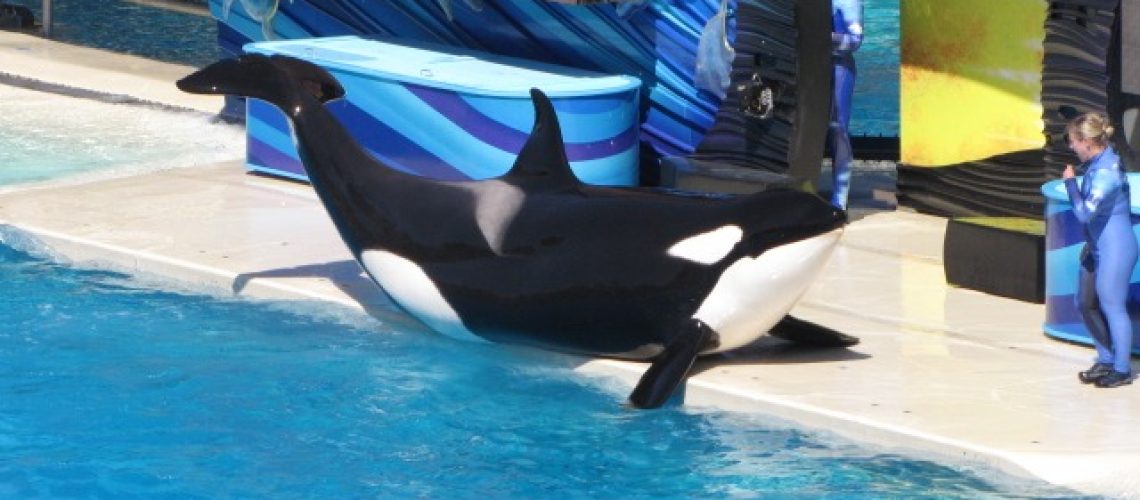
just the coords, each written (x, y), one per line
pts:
(536, 257)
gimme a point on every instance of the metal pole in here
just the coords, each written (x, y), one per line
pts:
(47, 18)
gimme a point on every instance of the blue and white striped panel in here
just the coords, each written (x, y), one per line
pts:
(447, 135)
(656, 44)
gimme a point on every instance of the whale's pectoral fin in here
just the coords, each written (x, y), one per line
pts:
(805, 332)
(543, 157)
(671, 367)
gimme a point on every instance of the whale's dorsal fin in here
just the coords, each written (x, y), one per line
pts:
(543, 157)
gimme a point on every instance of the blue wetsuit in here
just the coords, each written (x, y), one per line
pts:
(846, 36)
(1101, 203)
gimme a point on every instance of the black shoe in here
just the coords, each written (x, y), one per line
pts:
(1114, 379)
(1094, 373)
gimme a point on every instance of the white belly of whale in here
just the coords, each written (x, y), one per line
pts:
(410, 287)
(754, 294)
(750, 297)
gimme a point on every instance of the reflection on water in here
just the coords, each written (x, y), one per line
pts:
(48, 136)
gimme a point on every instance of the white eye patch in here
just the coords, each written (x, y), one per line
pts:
(707, 248)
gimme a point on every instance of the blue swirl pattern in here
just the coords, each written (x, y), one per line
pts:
(656, 44)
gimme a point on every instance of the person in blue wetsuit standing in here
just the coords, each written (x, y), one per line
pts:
(846, 36)
(1101, 204)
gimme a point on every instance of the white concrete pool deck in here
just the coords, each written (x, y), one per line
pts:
(940, 370)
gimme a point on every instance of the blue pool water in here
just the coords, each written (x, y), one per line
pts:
(875, 107)
(110, 388)
(134, 28)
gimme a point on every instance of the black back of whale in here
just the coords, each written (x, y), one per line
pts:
(534, 256)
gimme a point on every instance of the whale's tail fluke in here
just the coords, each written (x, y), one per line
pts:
(280, 80)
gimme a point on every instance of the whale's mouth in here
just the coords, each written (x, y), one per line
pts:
(753, 294)
(805, 220)
(835, 220)
(212, 79)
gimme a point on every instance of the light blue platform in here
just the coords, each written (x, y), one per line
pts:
(453, 113)
(1064, 239)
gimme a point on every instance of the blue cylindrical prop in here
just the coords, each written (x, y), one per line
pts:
(1064, 239)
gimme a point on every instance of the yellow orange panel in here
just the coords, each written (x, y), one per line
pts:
(971, 79)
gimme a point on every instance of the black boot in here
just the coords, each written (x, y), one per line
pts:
(1114, 379)
(1094, 373)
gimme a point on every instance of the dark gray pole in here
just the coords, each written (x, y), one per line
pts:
(47, 18)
